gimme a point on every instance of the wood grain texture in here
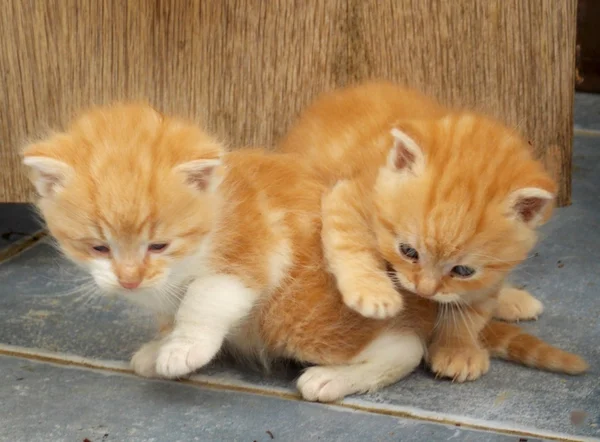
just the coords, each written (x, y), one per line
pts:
(246, 68)
(512, 59)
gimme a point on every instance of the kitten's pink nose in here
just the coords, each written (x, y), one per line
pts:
(427, 288)
(130, 285)
(130, 274)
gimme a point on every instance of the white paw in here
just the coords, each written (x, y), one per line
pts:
(517, 305)
(374, 303)
(325, 384)
(181, 356)
(143, 361)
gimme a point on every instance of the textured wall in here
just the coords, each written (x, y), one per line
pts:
(245, 68)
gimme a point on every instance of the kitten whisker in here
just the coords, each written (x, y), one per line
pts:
(470, 324)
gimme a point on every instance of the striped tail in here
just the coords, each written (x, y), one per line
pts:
(510, 342)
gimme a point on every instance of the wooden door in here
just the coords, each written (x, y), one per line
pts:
(245, 68)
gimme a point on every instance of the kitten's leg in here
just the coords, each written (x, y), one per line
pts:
(351, 253)
(209, 309)
(165, 323)
(143, 361)
(517, 305)
(455, 351)
(386, 360)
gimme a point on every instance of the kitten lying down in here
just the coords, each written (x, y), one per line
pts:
(229, 245)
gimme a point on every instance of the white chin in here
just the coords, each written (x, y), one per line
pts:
(447, 298)
(151, 297)
(110, 289)
(145, 298)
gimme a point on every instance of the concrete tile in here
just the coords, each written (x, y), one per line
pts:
(44, 306)
(42, 402)
(17, 221)
(587, 111)
(36, 310)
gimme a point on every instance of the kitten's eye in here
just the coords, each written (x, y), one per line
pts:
(462, 271)
(158, 247)
(409, 252)
(103, 250)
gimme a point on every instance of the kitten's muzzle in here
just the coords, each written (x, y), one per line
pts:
(427, 287)
(130, 285)
(129, 274)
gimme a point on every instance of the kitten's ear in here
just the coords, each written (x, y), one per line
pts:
(201, 174)
(48, 175)
(531, 205)
(406, 155)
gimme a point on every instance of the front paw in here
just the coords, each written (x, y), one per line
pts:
(180, 356)
(515, 305)
(378, 301)
(459, 364)
(324, 384)
(143, 361)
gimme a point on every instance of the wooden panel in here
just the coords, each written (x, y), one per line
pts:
(513, 59)
(245, 68)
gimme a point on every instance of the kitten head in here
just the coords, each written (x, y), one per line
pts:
(128, 194)
(457, 205)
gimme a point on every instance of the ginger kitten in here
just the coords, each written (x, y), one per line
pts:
(449, 200)
(227, 246)
(106, 188)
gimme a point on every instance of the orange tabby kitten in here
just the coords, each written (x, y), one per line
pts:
(228, 245)
(448, 199)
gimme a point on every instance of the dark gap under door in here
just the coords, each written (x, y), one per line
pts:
(588, 46)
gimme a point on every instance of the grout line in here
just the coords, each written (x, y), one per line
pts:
(586, 132)
(123, 367)
(21, 245)
(217, 383)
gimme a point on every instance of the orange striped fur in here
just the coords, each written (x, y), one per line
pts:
(109, 181)
(426, 190)
(507, 341)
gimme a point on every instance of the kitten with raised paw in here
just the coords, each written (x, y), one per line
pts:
(449, 199)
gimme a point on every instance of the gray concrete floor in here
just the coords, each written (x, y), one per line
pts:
(64, 372)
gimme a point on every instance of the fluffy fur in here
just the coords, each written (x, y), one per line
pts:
(109, 182)
(448, 199)
(243, 242)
